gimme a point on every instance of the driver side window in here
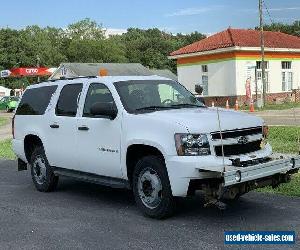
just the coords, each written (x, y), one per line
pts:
(167, 94)
(97, 93)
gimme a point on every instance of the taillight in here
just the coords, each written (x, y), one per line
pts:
(13, 127)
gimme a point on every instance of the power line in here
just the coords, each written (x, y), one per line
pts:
(267, 10)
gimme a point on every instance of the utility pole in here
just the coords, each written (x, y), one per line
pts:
(262, 49)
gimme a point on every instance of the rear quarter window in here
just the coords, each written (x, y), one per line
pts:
(35, 101)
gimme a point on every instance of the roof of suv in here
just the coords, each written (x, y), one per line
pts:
(103, 79)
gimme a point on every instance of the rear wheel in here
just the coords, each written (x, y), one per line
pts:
(152, 189)
(41, 172)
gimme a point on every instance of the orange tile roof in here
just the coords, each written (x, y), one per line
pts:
(240, 37)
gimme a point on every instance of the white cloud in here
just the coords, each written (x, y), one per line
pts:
(272, 9)
(112, 31)
(192, 11)
(284, 8)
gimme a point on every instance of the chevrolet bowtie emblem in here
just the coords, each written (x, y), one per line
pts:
(242, 140)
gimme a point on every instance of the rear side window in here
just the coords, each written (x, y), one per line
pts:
(68, 100)
(35, 101)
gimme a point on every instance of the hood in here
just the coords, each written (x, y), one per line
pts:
(205, 120)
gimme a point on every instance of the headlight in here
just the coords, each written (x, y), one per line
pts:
(192, 144)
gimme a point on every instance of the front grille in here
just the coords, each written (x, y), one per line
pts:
(249, 162)
(236, 133)
(238, 149)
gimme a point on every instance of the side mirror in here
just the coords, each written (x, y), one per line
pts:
(198, 89)
(104, 109)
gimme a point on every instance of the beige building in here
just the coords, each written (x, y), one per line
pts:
(223, 63)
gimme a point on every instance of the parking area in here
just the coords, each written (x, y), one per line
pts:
(5, 130)
(86, 216)
(288, 117)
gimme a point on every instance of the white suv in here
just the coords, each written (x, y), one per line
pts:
(145, 133)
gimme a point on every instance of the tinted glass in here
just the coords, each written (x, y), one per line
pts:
(97, 92)
(68, 100)
(35, 101)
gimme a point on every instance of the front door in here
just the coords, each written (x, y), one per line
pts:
(99, 137)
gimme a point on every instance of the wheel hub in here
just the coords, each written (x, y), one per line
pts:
(150, 188)
(39, 170)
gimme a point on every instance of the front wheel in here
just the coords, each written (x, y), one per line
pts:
(151, 188)
(41, 172)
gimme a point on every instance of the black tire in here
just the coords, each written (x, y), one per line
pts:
(48, 182)
(166, 206)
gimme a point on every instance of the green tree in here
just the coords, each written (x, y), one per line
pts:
(291, 29)
(84, 41)
(85, 29)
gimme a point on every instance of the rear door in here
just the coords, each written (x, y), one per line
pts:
(62, 129)
(99, 137)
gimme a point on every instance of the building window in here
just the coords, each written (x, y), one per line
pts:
(286, 64)
(259, 79)
(287, 81)
(258, 64)
(204, 69)
(205, 84)
(287, 76)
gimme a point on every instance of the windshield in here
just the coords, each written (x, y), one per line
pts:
(153, 95)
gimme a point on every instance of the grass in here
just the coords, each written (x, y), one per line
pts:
(286, 105)
(290, 189)
(283, 106)
(3, 121)
(284, 140)
(6, 150)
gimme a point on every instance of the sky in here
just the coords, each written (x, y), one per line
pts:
(173, 16)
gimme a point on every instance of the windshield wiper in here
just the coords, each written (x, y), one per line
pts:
(183, 105)
(152, 108)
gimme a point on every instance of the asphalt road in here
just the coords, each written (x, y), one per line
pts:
(288, 117)
(85, 216)
(5, 131)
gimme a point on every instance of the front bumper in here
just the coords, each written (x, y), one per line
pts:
(182, 170)
(275, 166)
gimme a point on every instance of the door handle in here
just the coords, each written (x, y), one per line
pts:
(54, 126)
(83, 128)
